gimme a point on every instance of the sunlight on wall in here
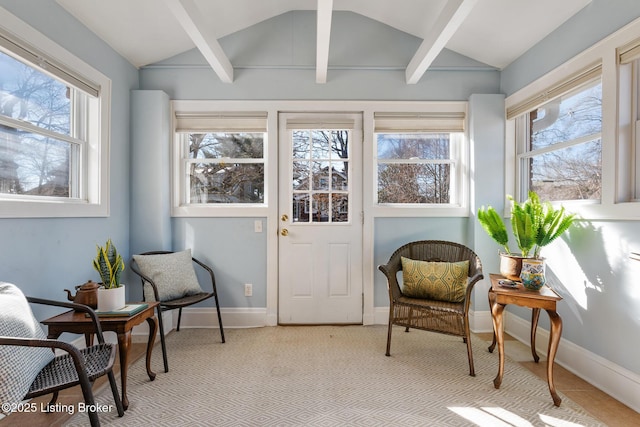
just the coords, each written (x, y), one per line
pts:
(189, 237)
(566, 269)
(593, 260)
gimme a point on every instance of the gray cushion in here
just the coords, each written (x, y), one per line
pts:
(172, 273)
(19, 366)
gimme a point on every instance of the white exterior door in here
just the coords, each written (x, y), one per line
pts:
(320, 218)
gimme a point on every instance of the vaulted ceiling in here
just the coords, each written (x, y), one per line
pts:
(494, 32)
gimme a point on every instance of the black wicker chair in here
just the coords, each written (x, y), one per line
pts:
(75, 367)
(450, 318)
(178, 303)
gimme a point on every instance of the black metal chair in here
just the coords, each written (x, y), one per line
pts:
(178, 303)
(450, 318)
(75, 367)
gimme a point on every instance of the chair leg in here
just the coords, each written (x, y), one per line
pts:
(388, 353)
(467, 339)
(179, 318)
(116, 394)
(54, 398)
(219, 317)
(164, 346)
(87, 394)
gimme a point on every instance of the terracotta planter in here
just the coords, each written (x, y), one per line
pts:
(510, 266)
(111, 299)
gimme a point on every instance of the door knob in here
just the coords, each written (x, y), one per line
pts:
(284, 232)
(284, 217)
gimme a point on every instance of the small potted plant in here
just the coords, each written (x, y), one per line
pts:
(110, 265)
(535, 225)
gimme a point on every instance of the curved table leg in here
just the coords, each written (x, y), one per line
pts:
(535, 315)
(492, 298)
(498, 330)
(554, 340)
(153, 330)
(124, 342)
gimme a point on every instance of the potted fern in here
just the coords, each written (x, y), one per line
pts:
(110, 265)
(534, 225)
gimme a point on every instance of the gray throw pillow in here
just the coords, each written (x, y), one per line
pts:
(19, 366)
(172, 273)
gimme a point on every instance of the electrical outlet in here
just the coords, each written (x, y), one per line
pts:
(248, 289)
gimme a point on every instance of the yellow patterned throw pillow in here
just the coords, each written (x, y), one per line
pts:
(442, 281)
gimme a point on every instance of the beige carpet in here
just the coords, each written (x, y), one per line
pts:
(332, 376)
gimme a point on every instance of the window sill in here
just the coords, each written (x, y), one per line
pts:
(51, 209)
(432, 211)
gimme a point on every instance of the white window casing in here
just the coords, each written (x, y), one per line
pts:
(90, 125)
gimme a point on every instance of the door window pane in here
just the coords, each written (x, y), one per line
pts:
(317, 179)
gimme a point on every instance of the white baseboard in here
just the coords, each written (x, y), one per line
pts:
(614, 380)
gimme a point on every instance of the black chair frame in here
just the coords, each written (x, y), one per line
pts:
(178, 303)
(75, 367)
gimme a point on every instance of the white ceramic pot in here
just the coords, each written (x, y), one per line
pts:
(111, 299)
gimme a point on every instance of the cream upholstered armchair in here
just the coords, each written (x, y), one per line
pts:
(433, 292)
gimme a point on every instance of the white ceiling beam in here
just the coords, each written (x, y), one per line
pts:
(452, 16)
(325, 11)
(192, 21)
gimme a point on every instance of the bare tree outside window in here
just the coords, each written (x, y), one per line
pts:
(320, 175)
(226, 167)
(414, 168)
(34, 162)
(564, 154)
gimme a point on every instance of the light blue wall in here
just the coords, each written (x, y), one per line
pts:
(590, 268)
(597, 20)
(44, 256)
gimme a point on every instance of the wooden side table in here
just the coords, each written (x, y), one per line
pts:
(79, 323)
(545, 299)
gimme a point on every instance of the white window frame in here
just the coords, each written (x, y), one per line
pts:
(93, 176)
(617, 177)
(431, 117)
(200, 113)
(523, 153)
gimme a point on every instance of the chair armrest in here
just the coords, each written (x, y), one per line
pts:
(76, 356)
(33, 342)
(208, 270)
(79, 307)
(390, 271)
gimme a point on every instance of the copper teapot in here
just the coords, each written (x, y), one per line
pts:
(86, 294)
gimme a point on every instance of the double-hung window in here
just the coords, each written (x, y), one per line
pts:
(420, 159)
(559, 140)
(52, 145)
(629, 119)
(221, 158)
